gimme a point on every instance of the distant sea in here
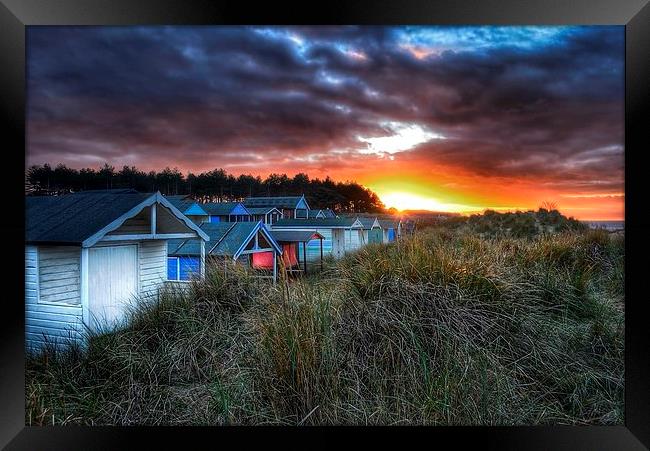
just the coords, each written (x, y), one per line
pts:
(607, 225)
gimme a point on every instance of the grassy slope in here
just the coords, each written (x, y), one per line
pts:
(442, 328)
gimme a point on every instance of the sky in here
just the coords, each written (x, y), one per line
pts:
(457, 119)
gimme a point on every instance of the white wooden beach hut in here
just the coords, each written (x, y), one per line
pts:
(390, 229)
(372, 231)
(336, 233)
(323, 213)
(88, 255)
(268, 215)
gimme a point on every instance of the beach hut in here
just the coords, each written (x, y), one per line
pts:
(390, 230)
(326, 213)
(247, 243)
(372, 231)
(335, 233)
(226, 212)
(89, 255)
(268, 215)
(316, 214)
(292, 207)
(292, 241)
(189, 207)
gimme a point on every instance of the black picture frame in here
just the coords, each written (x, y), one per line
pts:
(15, 15)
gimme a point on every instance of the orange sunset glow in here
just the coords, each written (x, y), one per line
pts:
(450, 119)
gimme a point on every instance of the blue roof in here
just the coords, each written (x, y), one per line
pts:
(225, 208)
(186, 205)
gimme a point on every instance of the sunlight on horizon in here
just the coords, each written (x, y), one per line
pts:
(407, 201)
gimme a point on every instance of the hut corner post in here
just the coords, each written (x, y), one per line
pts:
(202, 264)
(304, 252)
(321, 254)
(85, 312)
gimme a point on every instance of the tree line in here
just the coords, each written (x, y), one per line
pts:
(215, 186)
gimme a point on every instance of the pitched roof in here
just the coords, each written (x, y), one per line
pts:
(173, 245)
(221, 208)
(226, 238)
(72, 218)
(387, 224)
(315, 222)
(182, 202)
(295, 236)
(367, 222)
(260, 210)
(316, 213)
(234, 238)
(83, 217)
(278, 202)
(215, 230)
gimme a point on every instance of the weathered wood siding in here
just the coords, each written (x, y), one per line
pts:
(52, 289)
(52, 295)
(58, 271)
(338, 243)
(353, 239)
(153, 266)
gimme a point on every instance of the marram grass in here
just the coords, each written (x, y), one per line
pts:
(442, 328)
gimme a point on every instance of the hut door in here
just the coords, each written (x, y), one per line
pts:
(112, 284)
(376, 236)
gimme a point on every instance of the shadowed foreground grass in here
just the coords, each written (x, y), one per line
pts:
(441, 328)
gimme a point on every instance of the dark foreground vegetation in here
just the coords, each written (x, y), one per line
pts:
(442, 328)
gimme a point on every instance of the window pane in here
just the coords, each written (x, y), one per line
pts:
(189, 266)
(172, 269)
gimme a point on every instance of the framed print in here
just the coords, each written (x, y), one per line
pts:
(368, 219)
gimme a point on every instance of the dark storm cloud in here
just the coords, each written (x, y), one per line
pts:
(511, 101)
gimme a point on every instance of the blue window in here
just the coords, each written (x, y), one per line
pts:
(172, 268)
(182, 268)
(391, 234)
(215, 219)
(188, 266)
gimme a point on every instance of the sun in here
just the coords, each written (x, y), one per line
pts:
(401, 201)
(407, 201)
